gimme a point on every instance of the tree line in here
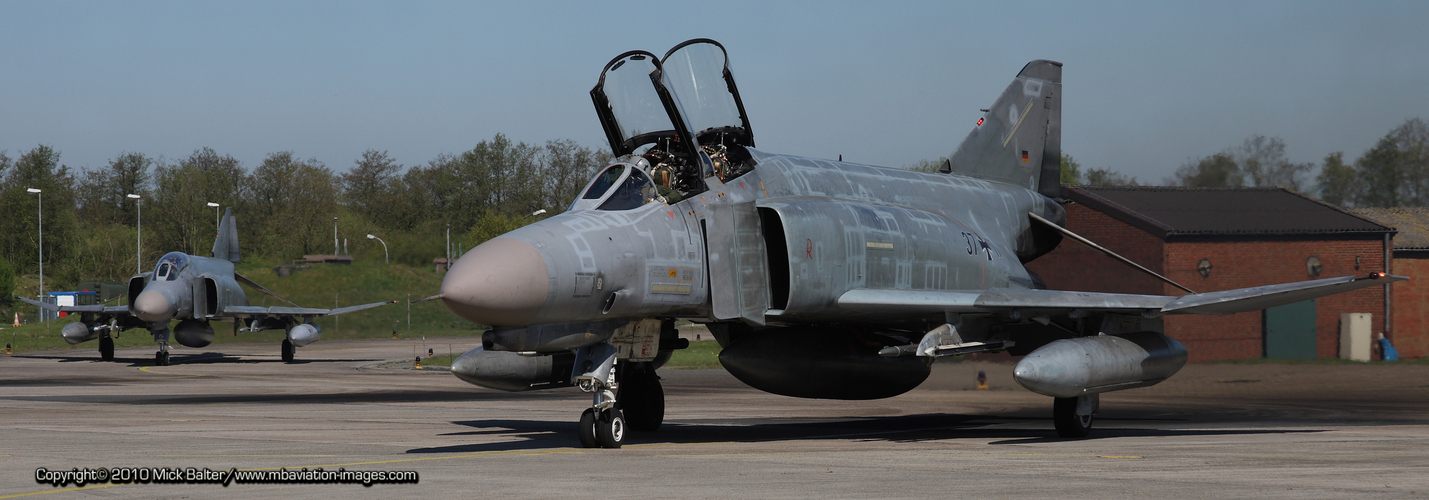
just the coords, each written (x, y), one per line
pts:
(284, 206)
(1392, 173)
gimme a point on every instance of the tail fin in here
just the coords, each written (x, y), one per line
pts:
(1019, 140)
(226, 245)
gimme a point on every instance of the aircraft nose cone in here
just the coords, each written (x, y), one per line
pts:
(502, 282)
(153, 307)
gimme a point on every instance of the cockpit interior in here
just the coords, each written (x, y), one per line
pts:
(676, 124)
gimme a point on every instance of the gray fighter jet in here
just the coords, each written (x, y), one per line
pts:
(194, 290)
(819, 279)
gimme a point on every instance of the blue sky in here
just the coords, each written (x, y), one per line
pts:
(1147, 85)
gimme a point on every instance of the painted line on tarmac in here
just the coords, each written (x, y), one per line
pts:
(241, 456)
(147, 369)
(61, 490)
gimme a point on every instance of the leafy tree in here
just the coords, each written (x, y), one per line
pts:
(180, 217)
(1217, 170)
(925, 165)
(39, 168)
(7, 282)
(290, 205)
(1263, 161)
(1339, 183)
(103, 193)
(1106, 177)
(373, 188)
(1071, 170)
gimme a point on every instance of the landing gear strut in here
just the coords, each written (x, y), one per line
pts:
(161, 358)
(106, 348)
(288, 351)
(1073, 416)
(603, 424)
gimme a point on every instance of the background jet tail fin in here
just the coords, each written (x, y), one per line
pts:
(1019, 139)
(226, 245)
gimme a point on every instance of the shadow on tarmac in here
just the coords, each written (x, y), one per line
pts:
(536, 435)
(190, 359)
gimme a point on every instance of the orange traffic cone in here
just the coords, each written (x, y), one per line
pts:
(17, 319)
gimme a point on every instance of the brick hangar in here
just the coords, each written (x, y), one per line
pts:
(1220, 239)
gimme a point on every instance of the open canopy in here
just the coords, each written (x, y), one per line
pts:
(688, 98)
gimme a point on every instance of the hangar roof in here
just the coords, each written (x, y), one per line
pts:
(1180, 213)
(1411, 222)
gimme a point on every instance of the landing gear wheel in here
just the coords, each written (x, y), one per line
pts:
(161, 358)
(1073, 416)
(587, 429)
(642, 399)
(288, 351)
(610, 428)
(106, 349)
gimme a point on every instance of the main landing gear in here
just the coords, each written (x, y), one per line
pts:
(288, 351)
(1073, 416)
(106, 348)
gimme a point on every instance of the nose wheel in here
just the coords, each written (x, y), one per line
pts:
(603, 424)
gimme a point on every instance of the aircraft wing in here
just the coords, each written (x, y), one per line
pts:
(97, 308)
(251, 311)
(1058, 301)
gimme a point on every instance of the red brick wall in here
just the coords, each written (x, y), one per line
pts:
(1073, 266)
(1234, 265)
(1255, 263)
(1411, 306)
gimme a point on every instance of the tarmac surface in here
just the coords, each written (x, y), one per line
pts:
(1219, 430)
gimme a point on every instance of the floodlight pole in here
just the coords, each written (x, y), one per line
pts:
(217, 219)
(386, 258)
(41, 250)
(139, 233)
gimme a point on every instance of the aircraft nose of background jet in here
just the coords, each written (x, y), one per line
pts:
(153, 307)
(502, 282)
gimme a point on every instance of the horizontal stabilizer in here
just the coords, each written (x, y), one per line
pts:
(1007, 300)
(1263, 297)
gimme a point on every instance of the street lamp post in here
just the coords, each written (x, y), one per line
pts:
(41, 252)
(386, 259)
(217, 223)
(139, 236)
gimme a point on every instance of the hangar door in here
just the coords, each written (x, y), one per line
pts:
(1290, 331)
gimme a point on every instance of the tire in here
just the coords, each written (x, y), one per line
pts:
(161, 358)
(587, 429)
(288, 351)
(106, 349)
(642, 400)
(1069, 424)
(610, 428)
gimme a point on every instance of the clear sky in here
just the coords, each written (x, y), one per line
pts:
(1148, 85)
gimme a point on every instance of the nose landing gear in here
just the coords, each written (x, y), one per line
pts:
(603, 424)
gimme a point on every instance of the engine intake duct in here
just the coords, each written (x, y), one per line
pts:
(1092, 365)
(509, 371)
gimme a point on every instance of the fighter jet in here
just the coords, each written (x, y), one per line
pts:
(195, 291)
(818, 278)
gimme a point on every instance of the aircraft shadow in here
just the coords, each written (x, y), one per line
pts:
(189, 359)
(535, 435)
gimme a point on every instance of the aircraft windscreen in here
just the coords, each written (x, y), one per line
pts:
(695, 74)
(603, 182)
(633, 100)
(637, 190)
(169, 265)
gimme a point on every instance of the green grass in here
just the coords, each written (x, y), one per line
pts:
(702, 354)
(322, 285)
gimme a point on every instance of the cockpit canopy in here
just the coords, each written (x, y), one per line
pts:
(169, 266)
(684, 100)
(618, 187)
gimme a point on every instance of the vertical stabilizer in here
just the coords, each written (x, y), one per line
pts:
(226, 245)
(1019, 140)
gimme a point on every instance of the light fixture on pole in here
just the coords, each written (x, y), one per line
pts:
(538, 212)
(334, 237)
(385, 257)
(139, 233)
(41, 252)
(217, 222)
